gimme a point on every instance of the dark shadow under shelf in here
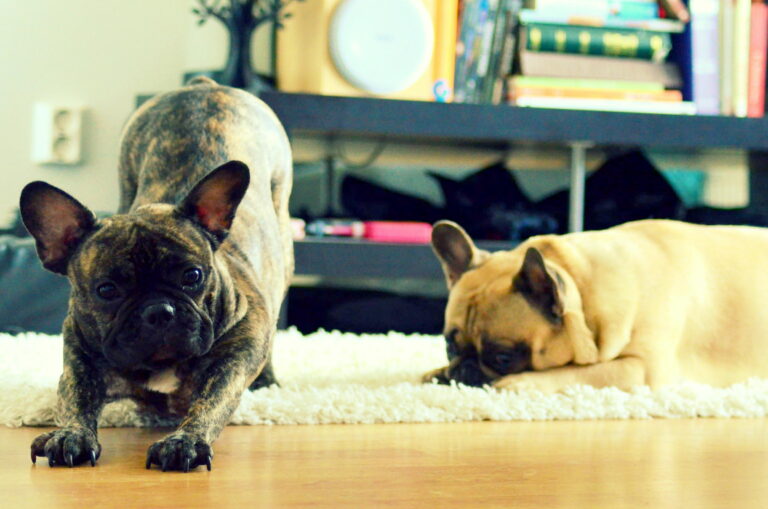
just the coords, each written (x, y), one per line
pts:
(353, 258)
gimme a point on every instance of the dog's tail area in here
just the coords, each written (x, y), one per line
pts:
(201, 80)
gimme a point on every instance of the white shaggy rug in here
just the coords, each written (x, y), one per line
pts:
(330, 377)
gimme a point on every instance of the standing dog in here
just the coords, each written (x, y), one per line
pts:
(649, 302)
(175, 299)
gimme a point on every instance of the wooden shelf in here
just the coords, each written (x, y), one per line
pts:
(501, 124)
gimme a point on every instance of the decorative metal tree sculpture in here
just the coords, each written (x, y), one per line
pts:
(242, 17)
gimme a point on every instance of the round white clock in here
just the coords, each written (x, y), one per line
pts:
(381, 46)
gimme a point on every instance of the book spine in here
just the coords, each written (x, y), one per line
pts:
(659, 107)
(561, 65)
(568, 18)
(480, 74)
(508, 50)
(726, 65)
(634, 10)
(626, 95)
(676, 9)
(598, 41)
(536, 81)
(741, 57)
(704, 56)
(757, 60)
(622, 9)
(497, 41)
(464, 53)
(474, 26)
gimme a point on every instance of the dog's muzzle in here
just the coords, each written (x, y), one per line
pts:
(158, 316)
(468, 372)
(156, 332)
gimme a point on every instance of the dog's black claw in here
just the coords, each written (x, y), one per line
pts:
(180, 452)
(66, 447)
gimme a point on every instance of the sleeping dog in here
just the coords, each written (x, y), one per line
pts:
(645, 303)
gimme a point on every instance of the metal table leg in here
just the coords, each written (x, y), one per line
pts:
(330, 186)
(578, 175)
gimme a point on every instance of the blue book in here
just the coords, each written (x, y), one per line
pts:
(566, 18)
(696, 53)
(621, 9)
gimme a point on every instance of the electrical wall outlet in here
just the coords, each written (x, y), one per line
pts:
(57, 136)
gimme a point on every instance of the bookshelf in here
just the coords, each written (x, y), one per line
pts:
(502, 126)
(493, 126)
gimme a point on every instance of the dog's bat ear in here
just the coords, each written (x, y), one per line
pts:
(57, 221)
(539, 287)
(212, 203)
(455, 250)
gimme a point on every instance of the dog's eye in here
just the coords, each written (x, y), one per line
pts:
(191, 278)
(108, 291)
(452, 350)
(513, 360)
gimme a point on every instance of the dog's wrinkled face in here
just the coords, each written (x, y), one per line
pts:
(492, 329)
(505, 311)
(145, 285)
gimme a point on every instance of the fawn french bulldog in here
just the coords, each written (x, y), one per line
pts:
(645, 303)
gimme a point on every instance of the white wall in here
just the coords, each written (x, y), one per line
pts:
(98, 53)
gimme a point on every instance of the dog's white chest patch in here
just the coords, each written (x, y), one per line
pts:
(164, 381)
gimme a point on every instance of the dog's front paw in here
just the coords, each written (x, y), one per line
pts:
(67, 446)
(180, 451)
(518, 382)
(436, 375)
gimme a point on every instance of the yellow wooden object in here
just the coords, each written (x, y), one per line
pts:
(304, 62)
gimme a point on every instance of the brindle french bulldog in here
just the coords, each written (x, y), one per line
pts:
(645, 303)
(175, 299)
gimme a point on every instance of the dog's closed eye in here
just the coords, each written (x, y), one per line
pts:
(505, 360)
(452, 350)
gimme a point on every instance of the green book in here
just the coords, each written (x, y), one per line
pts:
(613, 42)
(545, 81)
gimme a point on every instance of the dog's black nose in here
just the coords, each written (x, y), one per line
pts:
(468, 372)
(158, 315)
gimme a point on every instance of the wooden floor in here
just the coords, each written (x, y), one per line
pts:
(657, 464)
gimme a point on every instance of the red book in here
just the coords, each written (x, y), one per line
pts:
(758, 47)
(675, 9)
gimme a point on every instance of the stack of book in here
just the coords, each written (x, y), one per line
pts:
(657, 56)
(722, 56)
(609, 55)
